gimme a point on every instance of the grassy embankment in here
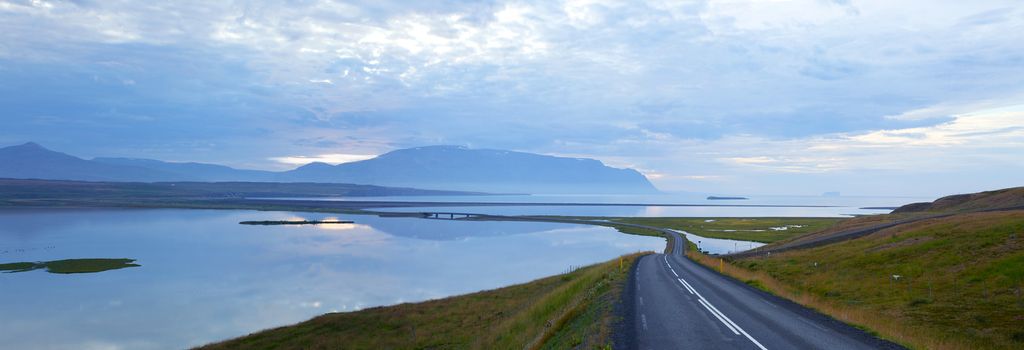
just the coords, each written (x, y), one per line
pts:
(70, 265)
(765, 230)
(959, 284)
(669, 243)
(556, 312)
(748, 229)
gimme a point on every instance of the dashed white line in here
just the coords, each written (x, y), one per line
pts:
(641, 301)
(643, 321)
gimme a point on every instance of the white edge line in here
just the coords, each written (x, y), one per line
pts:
(721, 317)
(738, 327)
(718, 317)
(715, 312)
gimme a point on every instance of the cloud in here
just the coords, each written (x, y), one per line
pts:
(741, 88)
(331, 158)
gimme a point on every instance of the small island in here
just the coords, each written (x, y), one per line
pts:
(70, 266)
(296, 222)
(721, 198)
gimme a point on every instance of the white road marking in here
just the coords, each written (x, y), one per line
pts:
(641, 301)
(643, 321)
(719, 317)
(687, 286)
(718, 314)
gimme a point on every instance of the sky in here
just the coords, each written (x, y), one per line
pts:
(909, 98)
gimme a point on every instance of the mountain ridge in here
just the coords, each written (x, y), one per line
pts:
(433, 167)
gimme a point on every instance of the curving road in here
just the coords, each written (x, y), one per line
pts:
(675, 303)
(672, 302)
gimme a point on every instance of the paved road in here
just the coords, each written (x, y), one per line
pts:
(679, 304)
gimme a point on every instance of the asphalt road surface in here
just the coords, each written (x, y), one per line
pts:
(679, 304)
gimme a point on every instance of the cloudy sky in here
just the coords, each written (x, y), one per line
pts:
(760, 97)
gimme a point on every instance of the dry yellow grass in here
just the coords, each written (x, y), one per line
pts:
(550, 313)
(960, 286)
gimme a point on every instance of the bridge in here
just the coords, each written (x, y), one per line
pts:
(450, 216)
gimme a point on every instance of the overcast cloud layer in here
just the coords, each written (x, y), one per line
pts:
(799, 97)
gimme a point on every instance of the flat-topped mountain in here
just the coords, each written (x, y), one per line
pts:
(465, 169)
(432, 167)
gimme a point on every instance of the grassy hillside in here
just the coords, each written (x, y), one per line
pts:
(557, 312)
(1004, 198)
(958, 286)
(1010, 198)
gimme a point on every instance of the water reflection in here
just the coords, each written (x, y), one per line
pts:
(204, 277)
(843, 206)
(719, 245)
(648, 211)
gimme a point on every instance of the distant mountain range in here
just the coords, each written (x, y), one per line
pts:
(433, 167)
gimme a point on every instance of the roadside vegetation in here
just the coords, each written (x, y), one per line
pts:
(764, 230)
(70, 265)
(629, 230)
(573, 310)
(944, 283)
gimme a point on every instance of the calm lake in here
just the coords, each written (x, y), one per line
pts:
(648, 205)
(203, 277)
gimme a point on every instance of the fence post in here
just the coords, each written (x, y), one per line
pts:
(910, 291)
(1019, 304)
(930, 290)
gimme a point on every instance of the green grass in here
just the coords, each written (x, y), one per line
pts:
(20, 266)
(70, 265)
(644, 232)
(959, 286)
(554, 313)
(747, 229)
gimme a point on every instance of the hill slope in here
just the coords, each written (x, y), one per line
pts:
(193, 171)
(942, 275)
(572, 310)
(998, 200)
(959, 284)
(32, 161)
(1004, 198)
